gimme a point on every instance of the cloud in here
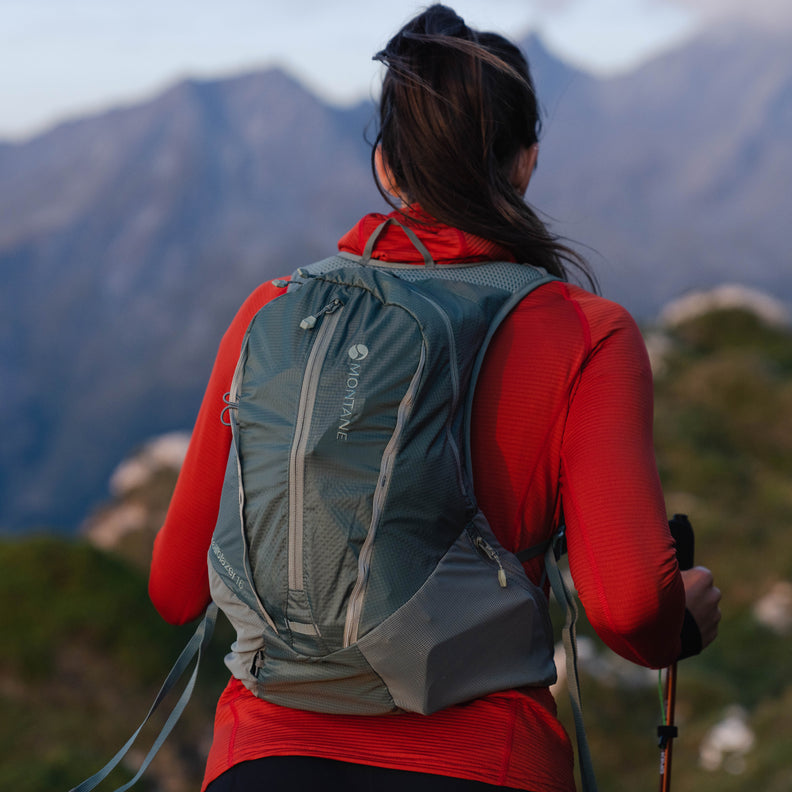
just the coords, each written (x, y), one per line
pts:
(767, 13)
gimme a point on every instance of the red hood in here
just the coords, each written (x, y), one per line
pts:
(445, 244)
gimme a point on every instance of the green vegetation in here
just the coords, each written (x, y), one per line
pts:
(723, 432)
(84, 652)
(83, 656)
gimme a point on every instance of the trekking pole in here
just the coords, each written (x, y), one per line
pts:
(682, 531)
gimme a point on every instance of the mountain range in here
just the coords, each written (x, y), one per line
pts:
(128, 239)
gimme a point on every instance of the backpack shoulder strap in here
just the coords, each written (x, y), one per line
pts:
(536, 277)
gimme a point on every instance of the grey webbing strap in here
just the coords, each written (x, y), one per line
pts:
(567, 601)
(196, 646)
(534, 551)
(411, 235)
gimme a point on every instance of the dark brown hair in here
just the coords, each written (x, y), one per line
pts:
(457, 107)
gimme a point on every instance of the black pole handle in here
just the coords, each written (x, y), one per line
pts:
(682, 531)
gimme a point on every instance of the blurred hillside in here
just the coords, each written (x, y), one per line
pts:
(128, 239)
(84, 651)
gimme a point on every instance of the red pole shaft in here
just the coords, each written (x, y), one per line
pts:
(665, 755)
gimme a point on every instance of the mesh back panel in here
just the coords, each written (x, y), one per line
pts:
(506, 275)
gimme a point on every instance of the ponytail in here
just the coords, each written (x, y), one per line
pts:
(457, 108)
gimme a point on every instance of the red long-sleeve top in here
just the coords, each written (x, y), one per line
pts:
(562, 418)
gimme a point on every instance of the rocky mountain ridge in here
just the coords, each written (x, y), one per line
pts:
(128, 239)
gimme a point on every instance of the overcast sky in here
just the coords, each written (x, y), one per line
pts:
(62, 59)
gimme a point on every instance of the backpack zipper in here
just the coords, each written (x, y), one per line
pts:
(310, 321)
(455, 384)
(451, 347)
(308, 389)
(232, 404)
(486, 548)
(355, 605)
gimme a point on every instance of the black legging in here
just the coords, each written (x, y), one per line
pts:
(304, 773)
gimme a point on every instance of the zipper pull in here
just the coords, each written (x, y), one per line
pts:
(258, 663)
(482, 544)
(310, 321)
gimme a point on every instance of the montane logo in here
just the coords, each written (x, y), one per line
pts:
(356, 353)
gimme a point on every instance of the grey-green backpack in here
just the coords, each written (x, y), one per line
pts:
(349, 552)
